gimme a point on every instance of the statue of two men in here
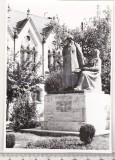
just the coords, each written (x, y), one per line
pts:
(77, 75)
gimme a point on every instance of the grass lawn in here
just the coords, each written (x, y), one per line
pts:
(27, 140)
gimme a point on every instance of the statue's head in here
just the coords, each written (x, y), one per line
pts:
(94, 53)
(69, 39)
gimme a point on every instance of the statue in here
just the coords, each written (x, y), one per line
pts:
(73, 59)
(90, 76)
(78, 75)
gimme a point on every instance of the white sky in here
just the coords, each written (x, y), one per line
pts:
(71, 13)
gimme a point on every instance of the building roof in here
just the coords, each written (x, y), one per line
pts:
(47, 30)
(18, 19)
(21, 24)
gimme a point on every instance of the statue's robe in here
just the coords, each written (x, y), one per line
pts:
(92, 76)
(71, 63)
(80, 56)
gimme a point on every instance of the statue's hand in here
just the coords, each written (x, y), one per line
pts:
(77, 70)
(85, 68)
(93, 69)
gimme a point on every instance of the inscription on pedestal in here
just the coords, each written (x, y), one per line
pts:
(64, 112)
(63, 106)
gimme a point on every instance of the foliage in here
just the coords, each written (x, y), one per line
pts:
(57, 63)
(55, 143)
(10, 140)
(87, 133)
(34, 124)
(68, 142)
(21, 77)
(96, 33)
(23, 115)
(54, 82)
(61, 33)
(37, 141)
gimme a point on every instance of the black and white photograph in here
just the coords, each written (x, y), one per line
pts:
(58, 75)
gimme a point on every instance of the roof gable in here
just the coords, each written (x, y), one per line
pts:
(21, 24)
(19, 19)
(47, 30)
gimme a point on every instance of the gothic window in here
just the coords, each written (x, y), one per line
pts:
(28, 38)
(28, 51)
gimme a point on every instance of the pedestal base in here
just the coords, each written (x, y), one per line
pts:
(68, 112)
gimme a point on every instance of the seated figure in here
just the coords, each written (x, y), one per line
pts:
(90, 76)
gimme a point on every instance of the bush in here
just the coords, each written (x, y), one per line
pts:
(87, 133)
(23, 115)
(33, 124)
(10, 140)
(54, 82)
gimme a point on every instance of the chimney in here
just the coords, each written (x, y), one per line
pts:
(28, 13)
(9, 9)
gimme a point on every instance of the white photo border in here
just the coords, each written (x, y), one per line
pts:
(3, 32)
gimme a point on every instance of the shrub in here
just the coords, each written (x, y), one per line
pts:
(10, 140)
(54, 82)
(87, 133)
(23, 114)
(34, 124)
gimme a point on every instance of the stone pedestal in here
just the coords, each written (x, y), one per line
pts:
(67, 112)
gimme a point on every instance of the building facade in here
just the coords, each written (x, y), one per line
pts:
(29, 38)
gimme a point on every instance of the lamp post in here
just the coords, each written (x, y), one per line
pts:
(82, 35)
(15, 36)
(43, 42)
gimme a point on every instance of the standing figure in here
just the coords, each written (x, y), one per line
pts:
(71, 64)
(90, 77)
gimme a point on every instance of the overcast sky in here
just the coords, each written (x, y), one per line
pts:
(72, 13)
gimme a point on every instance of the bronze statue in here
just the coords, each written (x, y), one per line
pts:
(77, 75)
(90, 77)
(73, 60)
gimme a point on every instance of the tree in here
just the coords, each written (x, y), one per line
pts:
(23, 114)
(61, 32)
(20, 77)
(97, 34)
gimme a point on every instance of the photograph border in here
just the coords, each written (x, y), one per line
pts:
(18, 150)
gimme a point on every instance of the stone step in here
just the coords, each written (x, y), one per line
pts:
(61, 126)
(40, 132)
